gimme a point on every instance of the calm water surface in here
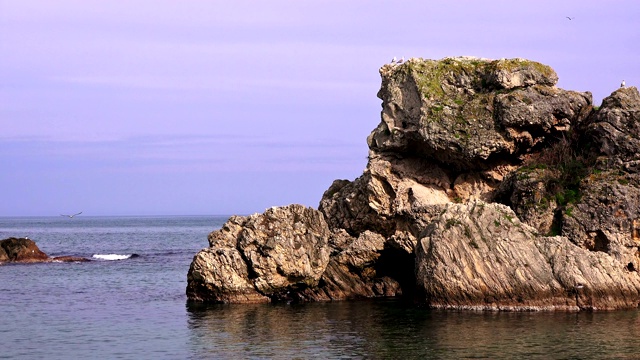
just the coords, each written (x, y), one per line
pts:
(136, 308)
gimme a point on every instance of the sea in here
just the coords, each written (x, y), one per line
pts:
(126, 306)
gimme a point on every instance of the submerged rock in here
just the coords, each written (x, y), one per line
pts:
(69, 258)
(487, 187)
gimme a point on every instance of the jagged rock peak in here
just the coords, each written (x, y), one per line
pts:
(615, 127)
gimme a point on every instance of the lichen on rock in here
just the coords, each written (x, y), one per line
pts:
(463, 112)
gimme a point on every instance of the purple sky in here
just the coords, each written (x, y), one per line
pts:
(209, 107)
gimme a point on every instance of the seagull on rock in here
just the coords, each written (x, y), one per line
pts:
(393, 61)
(401, 60)
(622, 84)
(72, 215)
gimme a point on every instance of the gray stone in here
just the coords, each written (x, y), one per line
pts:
(615, 127)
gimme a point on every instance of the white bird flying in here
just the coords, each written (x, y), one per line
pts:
(71, 216)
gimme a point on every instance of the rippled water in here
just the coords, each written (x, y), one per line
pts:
(136, 308)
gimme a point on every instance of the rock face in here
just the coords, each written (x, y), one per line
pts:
(23, 250)
(262, 256)
(470, 114)
(592, 195)
(606, 216)
(487, 187)
(480, 256)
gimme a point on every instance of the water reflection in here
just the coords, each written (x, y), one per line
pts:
(391, 329)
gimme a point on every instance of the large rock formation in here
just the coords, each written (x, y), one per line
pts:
(487, 187)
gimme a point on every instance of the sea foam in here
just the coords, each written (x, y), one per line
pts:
(112, 256)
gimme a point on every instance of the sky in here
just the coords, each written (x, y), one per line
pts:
(157, 107)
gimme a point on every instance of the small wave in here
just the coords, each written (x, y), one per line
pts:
(114, 256)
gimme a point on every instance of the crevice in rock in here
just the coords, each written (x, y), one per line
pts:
(399, 265)
(291, 294)
(251, 274)
(599, 242)
(556, 224)
(631, 267)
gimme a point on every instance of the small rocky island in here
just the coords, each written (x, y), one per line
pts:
(25, 251)
(487, 187)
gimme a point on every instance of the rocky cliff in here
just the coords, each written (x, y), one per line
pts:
(487, 187)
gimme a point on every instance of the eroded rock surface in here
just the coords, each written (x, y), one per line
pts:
(355, 272)
(606, 216)
(615, 127)
(472, 114)
(487, 187)
(587, 187)
(264, 255)
(480, 256)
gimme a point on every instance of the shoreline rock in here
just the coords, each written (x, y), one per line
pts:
(486, 188)
(481, 255)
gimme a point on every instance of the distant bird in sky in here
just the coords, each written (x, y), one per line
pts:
(622, 84)
(571, 18)
(71, 216)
